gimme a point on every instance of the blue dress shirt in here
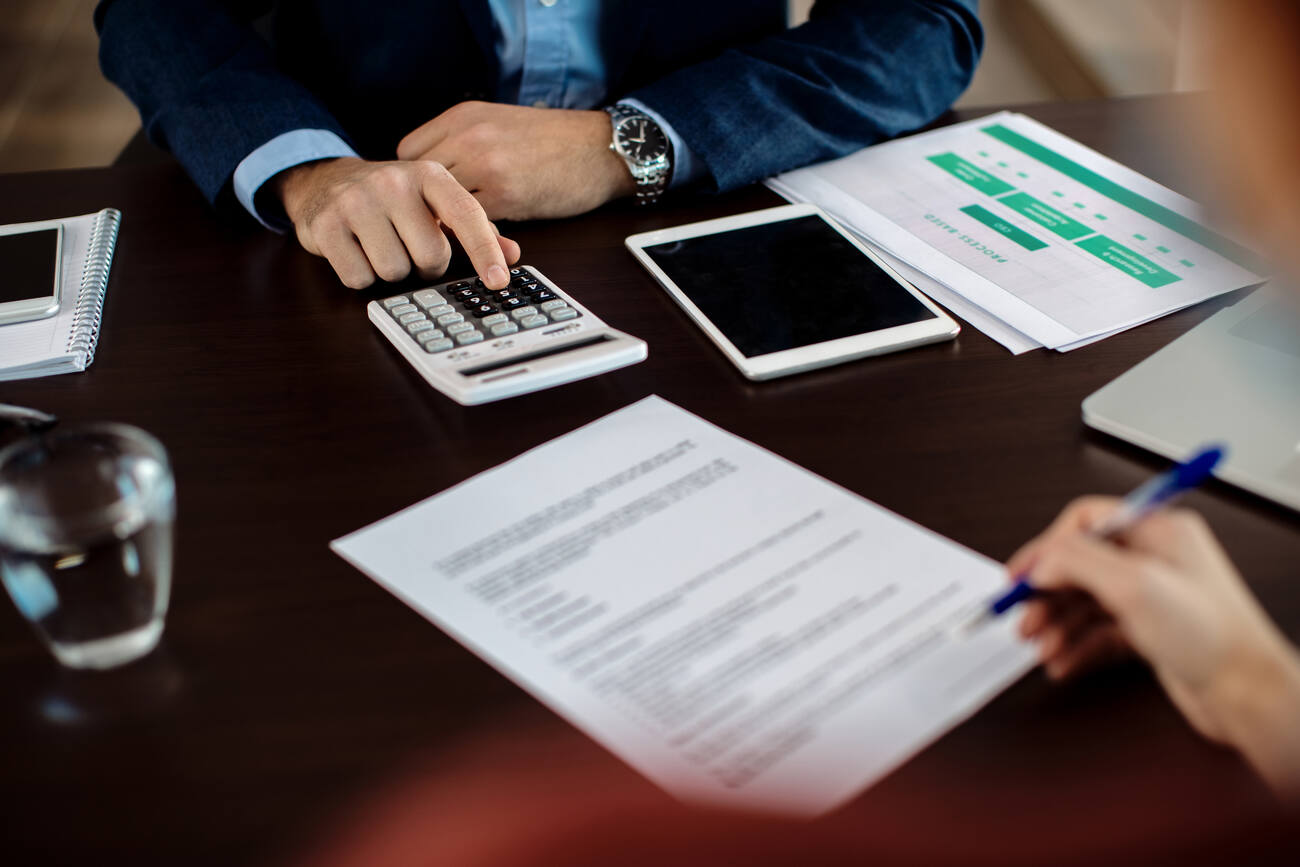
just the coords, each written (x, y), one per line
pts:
(550, 57)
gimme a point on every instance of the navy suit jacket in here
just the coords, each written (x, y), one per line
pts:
(749, 96)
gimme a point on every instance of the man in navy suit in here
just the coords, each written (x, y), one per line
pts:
(372, 125)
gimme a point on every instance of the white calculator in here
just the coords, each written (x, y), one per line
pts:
(477, 345)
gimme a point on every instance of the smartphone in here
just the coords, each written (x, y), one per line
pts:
(29, 271)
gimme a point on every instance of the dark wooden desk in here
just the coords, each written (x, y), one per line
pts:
(288, 684)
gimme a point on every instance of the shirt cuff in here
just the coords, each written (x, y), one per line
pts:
(285, 151)
(686, 168)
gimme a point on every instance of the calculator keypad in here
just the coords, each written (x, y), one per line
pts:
(466, 311)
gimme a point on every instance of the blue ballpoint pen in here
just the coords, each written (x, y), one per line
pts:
(1144, 500)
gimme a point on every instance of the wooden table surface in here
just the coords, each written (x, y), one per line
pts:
(288, 686)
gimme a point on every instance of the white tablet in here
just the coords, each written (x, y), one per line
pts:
(785, 289)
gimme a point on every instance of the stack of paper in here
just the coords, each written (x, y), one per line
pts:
(1026, 234)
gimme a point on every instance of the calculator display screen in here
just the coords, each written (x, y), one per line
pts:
(787, 284)
(28, 262)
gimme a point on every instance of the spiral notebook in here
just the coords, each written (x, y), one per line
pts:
(65, 343)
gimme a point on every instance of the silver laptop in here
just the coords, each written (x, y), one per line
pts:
(1234, 379)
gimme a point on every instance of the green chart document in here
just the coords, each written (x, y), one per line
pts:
(1033, 231)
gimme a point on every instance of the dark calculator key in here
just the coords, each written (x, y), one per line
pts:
(475, 300)
(525, 280)
(544, 295)
(517, 272)
(462, 294)
(482, 310)
(478, 281)
(456, 286)
(512, 303)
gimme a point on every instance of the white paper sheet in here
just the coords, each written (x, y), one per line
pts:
(1107, 249)
(739, 630)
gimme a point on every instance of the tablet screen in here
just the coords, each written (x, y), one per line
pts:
(784, 285)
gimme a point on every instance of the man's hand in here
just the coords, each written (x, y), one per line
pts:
(525, 163)
(383, 219)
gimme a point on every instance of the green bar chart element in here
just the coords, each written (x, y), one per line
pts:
(971, 174)
(1046, 216)
(1154, 211)
(1002, 227)
(1133, 264)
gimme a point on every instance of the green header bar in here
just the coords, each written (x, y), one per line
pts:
(1175, 222)
(1002, 227)
(971, 174)
(1046, 216)
(1133, 264)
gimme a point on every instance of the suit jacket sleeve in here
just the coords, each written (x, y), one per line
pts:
(857, 72)
(205, 83)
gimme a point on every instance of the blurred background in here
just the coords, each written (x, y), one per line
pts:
(56, 110)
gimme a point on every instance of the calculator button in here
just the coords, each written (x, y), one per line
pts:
(518, 272)
(449, 318)
(495, 319)
(475, 300)
(431, 334)
(501, 329)
(483, 310)
(524, 312)
(560, 314)
(544, 295)
(417, 327)
(390, 303)
(408, 318)
(553, 304)
(503, 294)
(427, 298)
(468, 292)
(402, 309)
(459, 328)
(463, 284)
(439, 345)
(469, 337)
(440, 309)
(532, 321)
(513, 303)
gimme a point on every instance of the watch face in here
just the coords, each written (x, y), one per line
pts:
(641, 140)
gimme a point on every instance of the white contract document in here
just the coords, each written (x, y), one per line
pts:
(739, 630)
(1046, 239)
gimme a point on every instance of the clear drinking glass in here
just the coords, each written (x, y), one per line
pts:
(86, 514)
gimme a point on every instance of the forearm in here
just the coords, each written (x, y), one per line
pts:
(1261, 703)
(857, 73)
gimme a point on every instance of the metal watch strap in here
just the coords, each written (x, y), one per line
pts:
(650, 182)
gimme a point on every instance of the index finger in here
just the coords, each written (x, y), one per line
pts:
(1079, 517)
(421, 139)
(463, 214)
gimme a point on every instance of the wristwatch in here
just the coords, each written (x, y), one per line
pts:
(646, 150)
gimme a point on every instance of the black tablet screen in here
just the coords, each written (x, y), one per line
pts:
(787, 284)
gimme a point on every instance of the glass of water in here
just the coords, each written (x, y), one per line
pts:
(86, 514)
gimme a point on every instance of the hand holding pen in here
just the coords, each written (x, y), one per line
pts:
(1170, 595)
(1142, 502)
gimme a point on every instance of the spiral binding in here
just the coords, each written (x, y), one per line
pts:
(94, 283)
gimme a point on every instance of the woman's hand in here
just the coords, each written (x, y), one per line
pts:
(1168, 592)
